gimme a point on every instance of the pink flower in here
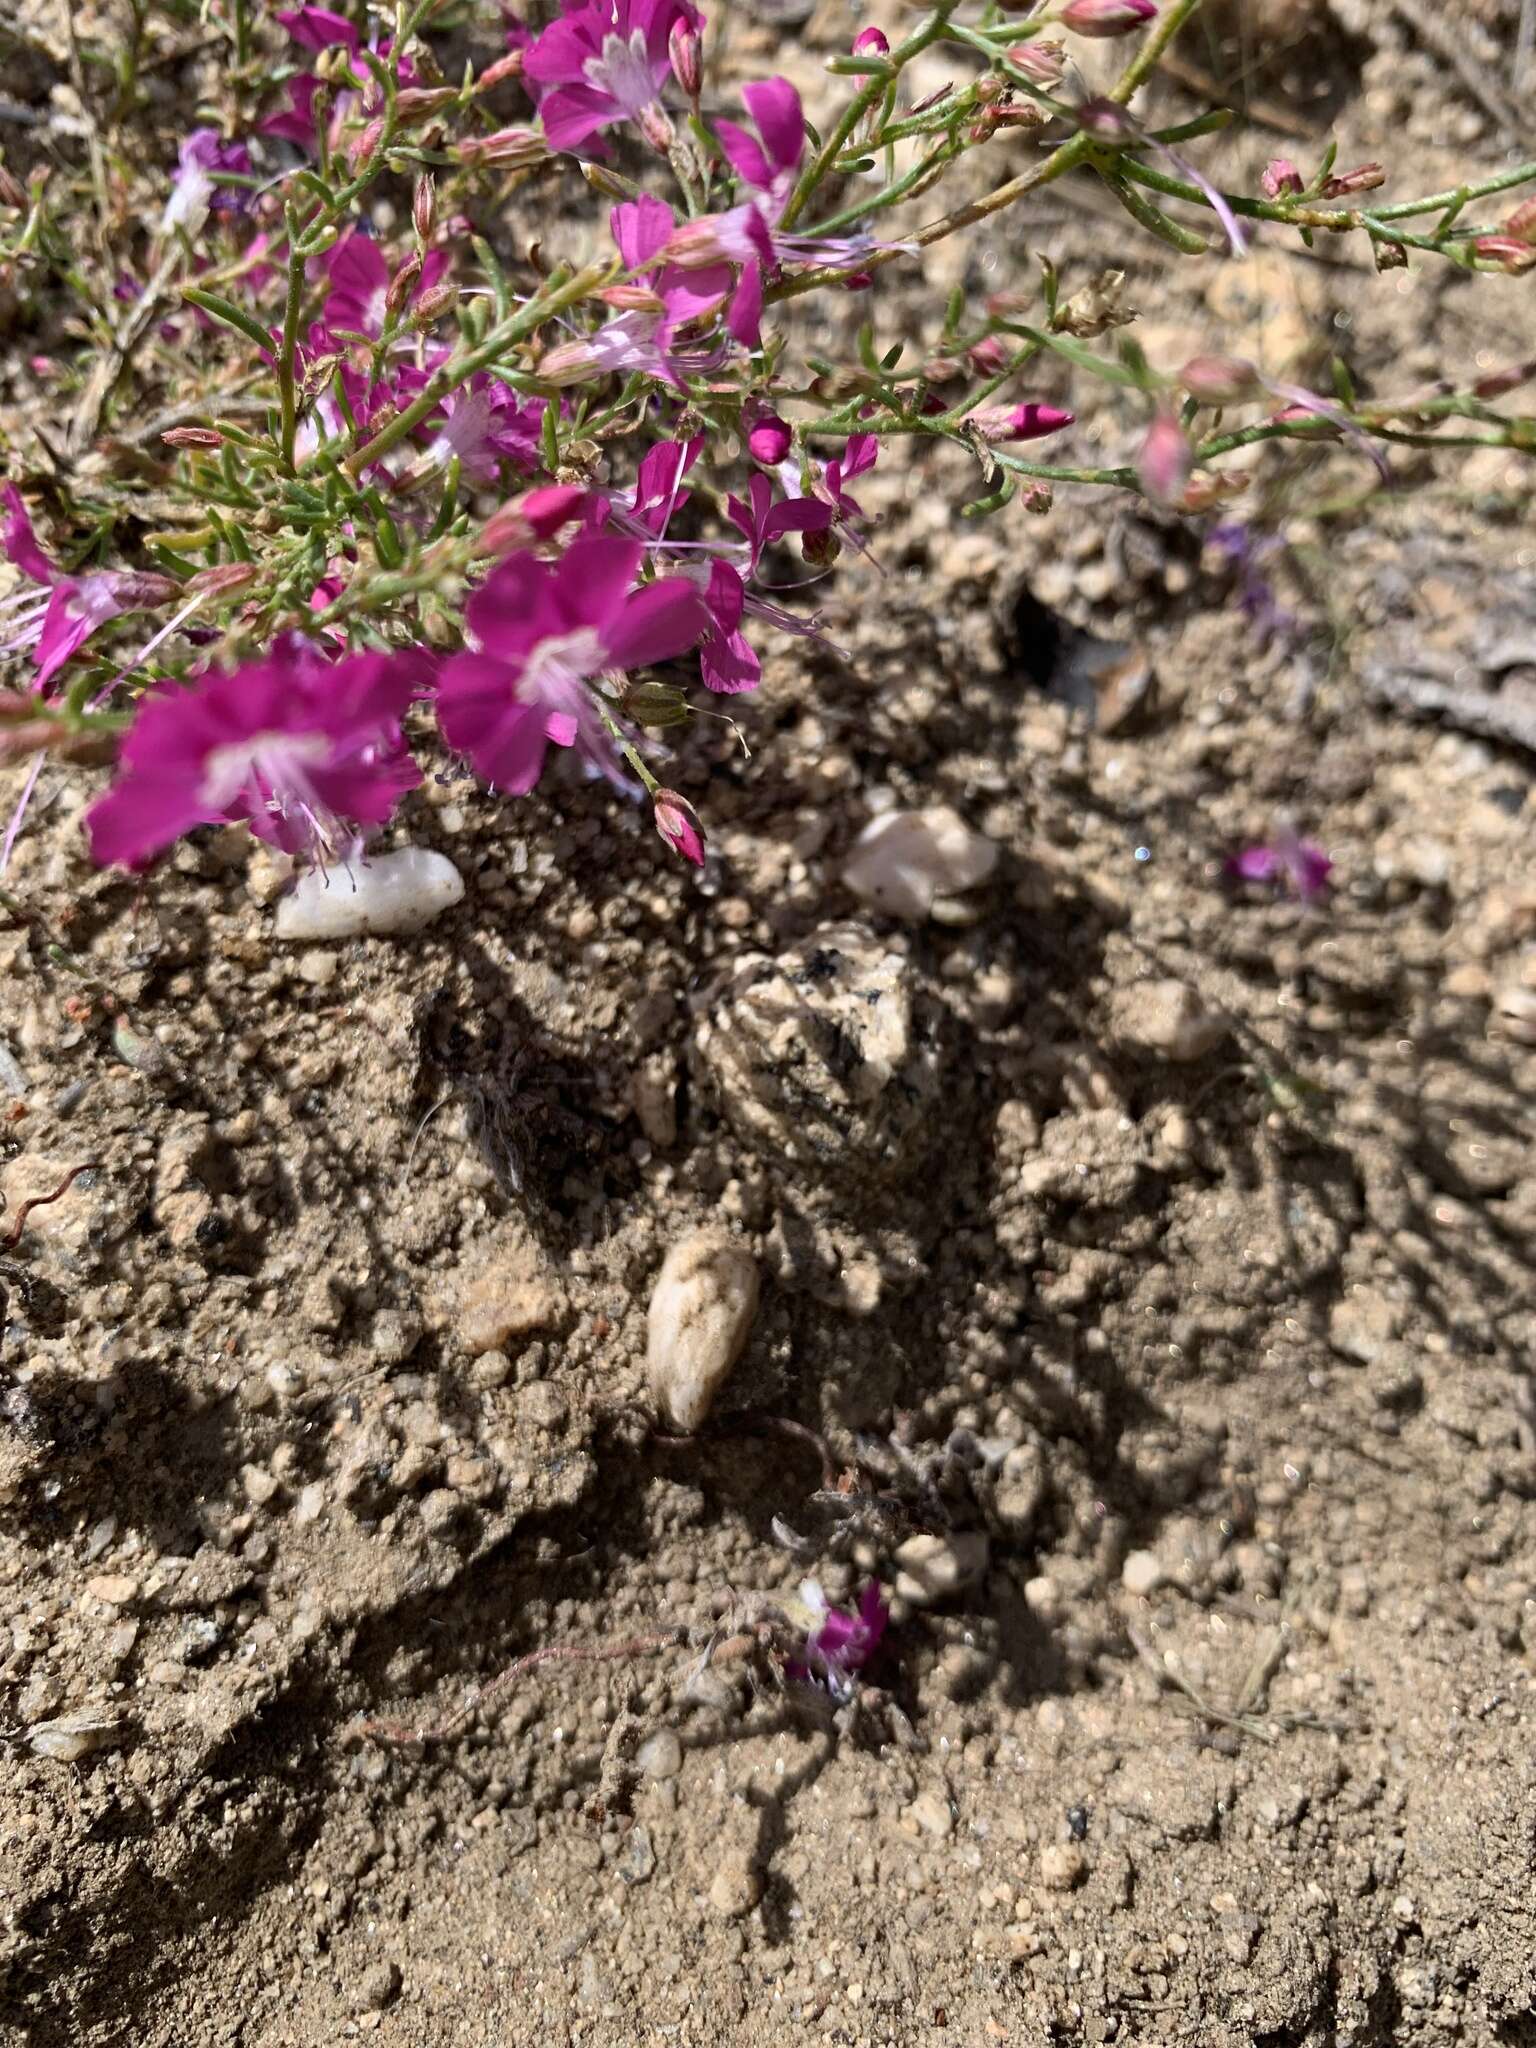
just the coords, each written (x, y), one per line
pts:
(1027, 422)
(1042, 63)
(1281, 178)
(59, 625)
(840, 1645)
(1290, 862)
(543, 637)
(193, 191)
(603, 62)
(1106, 17)
(727, 664)
(294, 744)
(485, 424)
(537, 515)
(871, 41)
(318, 28)
(678, 824)
(670, 298)
(763, 522)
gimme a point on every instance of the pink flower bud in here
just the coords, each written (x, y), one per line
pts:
(141, 589)
(1105, 121)
(536, 515)
(419, 103)
(364, 145)
(632, 298)
(683, 49)
(1106, 17)
(1281, 178)
(514, 147)
(224, 576)
(1037, 499)
(1363, 178)
(677, 822)
(1522, 222)
(768, 437)
(1026, 422)
(989, 88)
(12, 194)
(1498, 382)
(510, 66)
(424, 208)
(655, 125)
(989, 356)
(432, 305)
(402, 284)
(1164, 461)
(192, 437)
(1220, 380)
(871, 42)
(1042, 63)
(1505, 252)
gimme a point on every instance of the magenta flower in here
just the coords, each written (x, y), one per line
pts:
(768, 436)
(666, 299)
(872, 41)
(57, 626)
(1287, 861)
(840, 1645)
(484, 424)
(603, 62)
(294, 744)
(727, 664)
(1106, 17)
(763, 522)
(319, 28)
(544, 636)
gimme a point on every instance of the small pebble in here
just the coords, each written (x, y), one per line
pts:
(660, 1756)
(1063, 1866)
(317, 967)
(391, 893)
(115, 1588)
(934, 1568)
(737, 1887)
(1141, 1573)
(1167, 1017)
(380, 1986)
(930, 1812)
(637, 1859)
(907, 861)
(700, 1318)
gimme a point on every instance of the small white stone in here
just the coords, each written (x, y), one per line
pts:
(699, 1320)
(933, 1568)
(907, 861)
(1167, 1017)
(1141, 1573)
(392, 892)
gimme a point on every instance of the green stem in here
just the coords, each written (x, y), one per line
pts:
(286, 378)
(868, 96)
(452, 375)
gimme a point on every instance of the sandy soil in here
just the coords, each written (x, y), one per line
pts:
(1194, 1354)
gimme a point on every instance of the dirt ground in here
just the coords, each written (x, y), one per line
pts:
(1195, 1354)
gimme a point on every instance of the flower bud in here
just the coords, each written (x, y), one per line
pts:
(424, 209)
(768, 437)
(402, 284)
(1037, 499)
(514, 148)
(1106, 17)
(871, 42)
(142, 589)
(223, 576)
(942, 370)
(655, 125)
(1498, 382)
(1026, 422)
(632, 298)
(608, 182)
(536, 515)
(988, 87)
(1363, 178)
(1105, 121)
(11, 194)
(419, 103)
(821, 549)
(687, 67)
(1041, 62)
(1220, 380)
(1390, 255)
(192, 437)
(1522, 222)
(678, 824)
(1281, 179)
(1164, 461)
(363, 146)
(510, 66)
(989, 356)
(432, 305)
(1505, 252)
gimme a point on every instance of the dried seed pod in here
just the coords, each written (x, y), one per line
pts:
(700, 1317)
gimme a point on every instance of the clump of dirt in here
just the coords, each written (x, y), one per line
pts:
(1146, 1299)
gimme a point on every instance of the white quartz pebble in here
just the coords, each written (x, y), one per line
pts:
(391, 892)
(905, 862)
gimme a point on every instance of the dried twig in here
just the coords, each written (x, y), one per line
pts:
(1469, 710)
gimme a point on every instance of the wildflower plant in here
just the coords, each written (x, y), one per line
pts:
(366, 465)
